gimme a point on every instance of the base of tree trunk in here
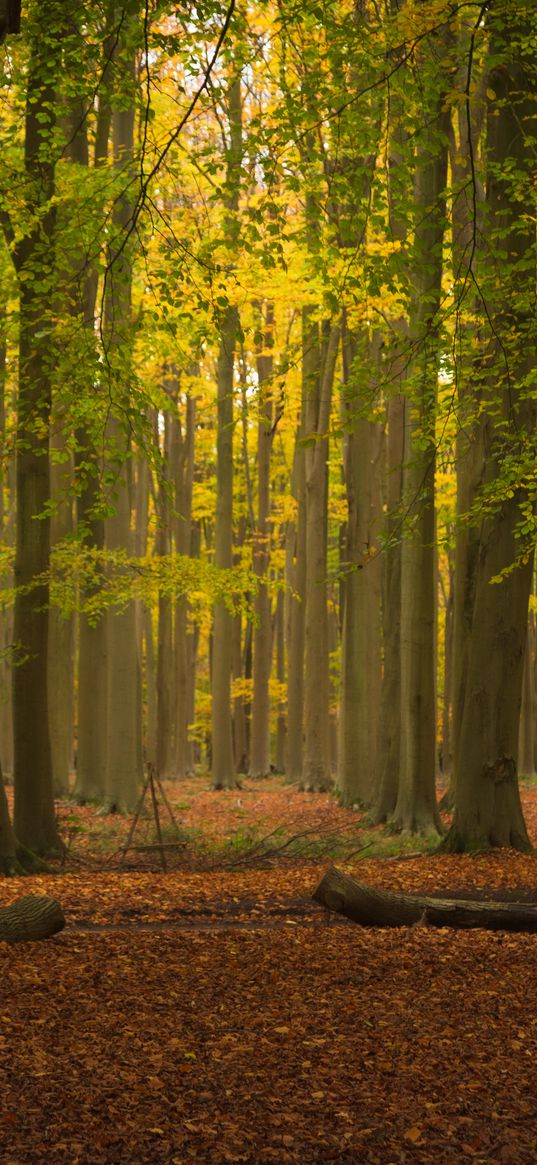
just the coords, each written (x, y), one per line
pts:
(371, 907)
(31, 918)
(325, 786)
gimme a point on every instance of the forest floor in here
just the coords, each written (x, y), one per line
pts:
(211, 1014)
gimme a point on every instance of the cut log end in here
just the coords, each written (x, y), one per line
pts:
(30, 919)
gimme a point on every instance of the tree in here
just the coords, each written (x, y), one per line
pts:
(33, 256)
(416, 808)
(262, 636)
(223, 764)
(487, 802)
(124, 763)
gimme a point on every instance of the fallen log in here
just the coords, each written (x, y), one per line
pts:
(31, 918)
(372, 907)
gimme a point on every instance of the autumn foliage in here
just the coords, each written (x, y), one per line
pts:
(217, 1015)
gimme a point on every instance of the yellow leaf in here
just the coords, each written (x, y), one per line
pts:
(413, 1134)
(281, 1030)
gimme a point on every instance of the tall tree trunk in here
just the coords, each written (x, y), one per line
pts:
(389, 738)
(416, 809)
(447, 707)
(318, 377)
(223, 765)
(262, 635)
(281, 714)
(61, 639)
(295, 570)
(35, 821)
(7, 514)
(91, 687)
(124, 765)
(166, 693)
(487, 803)
(186, 544)
(526, 735)
(467, 231)
(361, 646)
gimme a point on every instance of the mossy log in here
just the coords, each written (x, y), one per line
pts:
(31, 918)
(371, 907)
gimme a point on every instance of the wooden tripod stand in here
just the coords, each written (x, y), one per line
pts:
(153, 783)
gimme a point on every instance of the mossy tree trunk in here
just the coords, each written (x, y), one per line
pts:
(35, 819)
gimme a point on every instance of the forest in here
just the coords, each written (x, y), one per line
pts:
(268, 513)
(268, 408)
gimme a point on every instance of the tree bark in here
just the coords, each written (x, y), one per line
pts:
(166, 693)
(416, 809)
(295, 570)
(361, 633)
(222, 757)
(35, 819)
(262, 634)
(184, 637)
(488, 811)
(92, 702)
(526, 732)
(371, 907)
(223, 763)
(61, 633)
(389, 739)
(8, 842)
(31, 918)
(124, 764)
(318, 380)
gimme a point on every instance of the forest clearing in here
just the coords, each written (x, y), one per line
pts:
(213, 1015)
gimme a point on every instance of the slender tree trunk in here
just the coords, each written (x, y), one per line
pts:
(447, 707)
(526, 735)
(281, 714)
(185, 640)
(8, 842)
(223, 765)
(467, 232)
(166, 693)
(295, 569)
(262, 646)
(124, 764)
(416, 809)
(7, 532)
(361, 646)
(389, 741)
(318, 384)
(61, 633)
(240, 726)
(92, 692)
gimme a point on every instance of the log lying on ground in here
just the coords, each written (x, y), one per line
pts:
(370, 907)
(31, 918)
